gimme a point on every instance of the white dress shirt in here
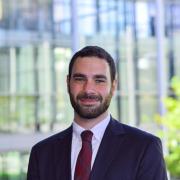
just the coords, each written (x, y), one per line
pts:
(98, 132)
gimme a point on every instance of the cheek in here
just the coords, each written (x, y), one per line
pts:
(74, 89)
(104, 91)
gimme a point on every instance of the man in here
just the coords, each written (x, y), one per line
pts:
(96, 146)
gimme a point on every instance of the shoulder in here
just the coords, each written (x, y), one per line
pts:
(135, 141)
(133, 133)
(54, 139)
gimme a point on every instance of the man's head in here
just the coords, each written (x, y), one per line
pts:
(94, 51)
(91, 81)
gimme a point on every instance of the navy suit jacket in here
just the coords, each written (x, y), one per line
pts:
(125, 153)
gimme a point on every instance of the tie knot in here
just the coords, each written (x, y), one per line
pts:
(86, 135)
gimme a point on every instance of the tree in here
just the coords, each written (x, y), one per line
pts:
(171, 123)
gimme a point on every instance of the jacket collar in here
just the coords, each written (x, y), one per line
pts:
(108, 150)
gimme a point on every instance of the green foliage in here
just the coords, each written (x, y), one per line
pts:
(12, 176)
(171, 123)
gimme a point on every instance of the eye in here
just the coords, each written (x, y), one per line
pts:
(100, 81)
(79, 79)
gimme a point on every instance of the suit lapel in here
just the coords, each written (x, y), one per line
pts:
(63, 156)
(108, 149)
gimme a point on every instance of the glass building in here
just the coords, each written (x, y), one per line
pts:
(37, 40)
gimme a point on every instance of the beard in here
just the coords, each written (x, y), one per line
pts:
(90, 111)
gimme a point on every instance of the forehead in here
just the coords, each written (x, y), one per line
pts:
(92, 65)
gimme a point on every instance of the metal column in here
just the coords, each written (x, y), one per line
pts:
(160, 30)
(74, 27)
(117, 51)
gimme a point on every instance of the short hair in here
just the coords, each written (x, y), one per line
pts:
(94, 51)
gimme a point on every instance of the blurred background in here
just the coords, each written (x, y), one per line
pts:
(37, 40)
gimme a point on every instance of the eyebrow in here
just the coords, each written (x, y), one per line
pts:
(100, 76)
(78, 75)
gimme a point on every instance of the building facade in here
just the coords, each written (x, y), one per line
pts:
(37, 40)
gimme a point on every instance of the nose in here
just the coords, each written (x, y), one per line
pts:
(88, 86)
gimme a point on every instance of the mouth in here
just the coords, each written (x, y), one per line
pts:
(89, 100)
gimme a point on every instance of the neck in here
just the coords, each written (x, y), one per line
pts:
(89, 123)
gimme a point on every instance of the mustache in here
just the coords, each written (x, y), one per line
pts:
(89, 96)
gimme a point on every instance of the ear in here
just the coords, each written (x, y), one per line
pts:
(67, 79)
(114, 86)
(67, 82)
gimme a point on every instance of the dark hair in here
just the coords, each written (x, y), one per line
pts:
(94, 51)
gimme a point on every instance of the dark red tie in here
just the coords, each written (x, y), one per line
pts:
(83, 164)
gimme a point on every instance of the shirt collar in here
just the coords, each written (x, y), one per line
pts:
(77, 130)
(98, 130)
